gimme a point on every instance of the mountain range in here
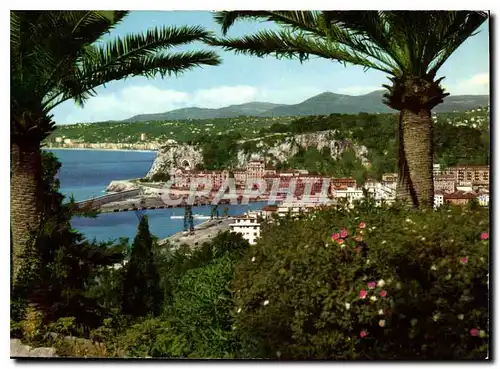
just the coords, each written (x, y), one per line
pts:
(322, 104)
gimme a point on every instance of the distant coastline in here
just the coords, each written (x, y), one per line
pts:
(96, 149)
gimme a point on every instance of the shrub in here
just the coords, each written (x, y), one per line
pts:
(394, 283)
(196, 321)
(202, 306)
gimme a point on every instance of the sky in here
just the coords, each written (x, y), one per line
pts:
(240, 78)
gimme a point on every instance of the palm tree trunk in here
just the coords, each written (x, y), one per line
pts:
(25, 206)
(403, 189)
(416, 157)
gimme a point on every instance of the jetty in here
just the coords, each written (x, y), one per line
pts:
(132, 200)
(204, 232)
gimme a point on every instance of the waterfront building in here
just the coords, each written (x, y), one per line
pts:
(248, 226)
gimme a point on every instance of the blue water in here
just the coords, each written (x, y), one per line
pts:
(86, 174)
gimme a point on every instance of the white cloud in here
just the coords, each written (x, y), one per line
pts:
(478, 84)
(148, 99)
(357, 90)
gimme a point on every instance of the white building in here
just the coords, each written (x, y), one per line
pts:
(143, 136)
(67, 140)
(484, 199)
(381, 191)
(59, 139)
(350, 193)
(248, 226)
(436, 169)
(438, 199)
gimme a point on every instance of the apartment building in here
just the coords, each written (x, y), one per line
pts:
(248, 226)
(475, 175)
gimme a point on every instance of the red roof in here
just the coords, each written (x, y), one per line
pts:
(457, 195)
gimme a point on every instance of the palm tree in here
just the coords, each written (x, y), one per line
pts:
(410, 46)
(60, 55)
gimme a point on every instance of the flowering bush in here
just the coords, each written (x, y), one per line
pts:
(367, 283)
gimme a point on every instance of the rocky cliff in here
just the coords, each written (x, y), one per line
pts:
(174, 156)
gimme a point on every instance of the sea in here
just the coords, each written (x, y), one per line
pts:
(85, 174)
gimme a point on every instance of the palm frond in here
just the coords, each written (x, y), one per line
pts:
(133, 53)
(92, 73)
(286, 44)
(455, 28)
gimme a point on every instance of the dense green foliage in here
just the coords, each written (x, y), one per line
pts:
(454, 144)
(197, 315)
(399, 284)
(142, 293)
(161, 131)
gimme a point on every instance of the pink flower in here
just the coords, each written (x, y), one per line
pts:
(474, 332)
(340, 241)
(362, 225)
(335, 236)
(362, 294)
(343, 233)
(363, 334)
(484, 235)
(383, 293)
(463, 260)
(371, 285)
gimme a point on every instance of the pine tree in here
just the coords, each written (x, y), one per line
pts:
(142, 293)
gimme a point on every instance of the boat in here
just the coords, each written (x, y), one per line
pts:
(196, 216)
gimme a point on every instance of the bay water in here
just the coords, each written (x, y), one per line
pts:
(86, 173)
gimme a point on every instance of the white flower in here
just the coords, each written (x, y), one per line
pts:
(460, 316)
(381, 283)
(363, 278)
(347, 306)
(326, 245)
(433, 267)
(381, 312)
(253, 259)
(384, 242)
(422, 239)
(381, 322)
(367, 261)
(239, 310)
(373, 298)
(266, 302)
(398, 286)
(409, 220)
(448, 276)
(342, 246)
(435, 317)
